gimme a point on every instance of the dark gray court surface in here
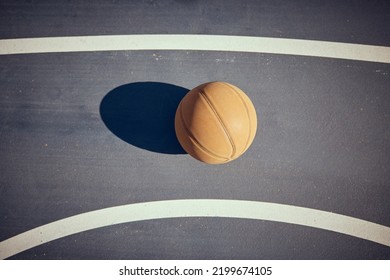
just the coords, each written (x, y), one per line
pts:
(323, 138)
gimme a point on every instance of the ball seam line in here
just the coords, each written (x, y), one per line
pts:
(247, 112)
(196, 141)
(203, 95)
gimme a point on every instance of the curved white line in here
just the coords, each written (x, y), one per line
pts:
(195, 208)
(196, 42)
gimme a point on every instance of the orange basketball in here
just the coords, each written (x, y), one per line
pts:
(215, 122)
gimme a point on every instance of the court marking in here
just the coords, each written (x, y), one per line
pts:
(195, 208)
(196, 42)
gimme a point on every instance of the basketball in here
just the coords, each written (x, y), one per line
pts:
(215, 122)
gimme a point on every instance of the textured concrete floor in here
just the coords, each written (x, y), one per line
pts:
(323, 138)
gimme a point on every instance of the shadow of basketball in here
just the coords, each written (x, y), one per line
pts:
(143, 113)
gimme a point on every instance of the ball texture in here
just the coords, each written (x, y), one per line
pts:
(215, 122)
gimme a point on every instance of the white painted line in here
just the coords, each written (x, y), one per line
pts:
(196, 42)
(195, 208)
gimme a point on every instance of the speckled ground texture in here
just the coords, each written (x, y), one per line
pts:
(323, 137)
